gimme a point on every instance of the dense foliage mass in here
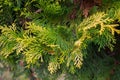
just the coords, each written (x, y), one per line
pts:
(53, 39)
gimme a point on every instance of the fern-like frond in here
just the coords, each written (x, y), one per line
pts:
(97, 28)
(34, 44)
(8, 40)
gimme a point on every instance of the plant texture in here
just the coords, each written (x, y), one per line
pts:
(51, 38)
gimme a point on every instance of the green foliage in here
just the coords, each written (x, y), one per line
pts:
(98, 30)
(39, 44)
(40, 34)
(34, 43)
